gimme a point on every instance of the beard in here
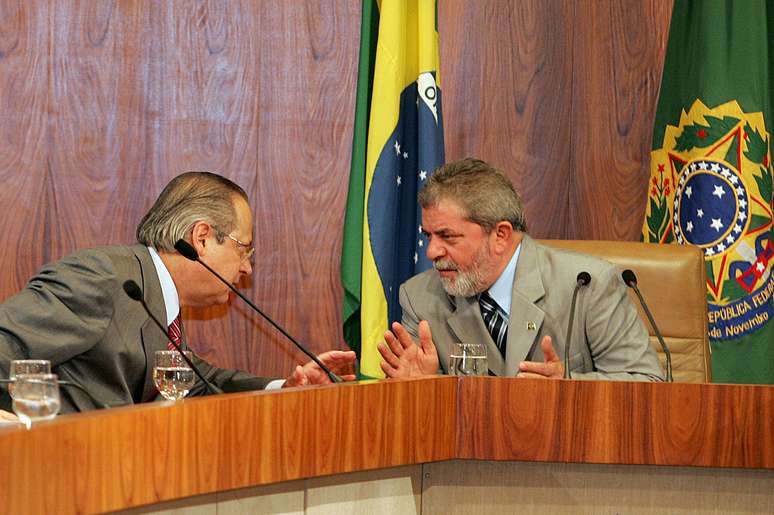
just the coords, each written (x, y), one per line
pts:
(469, 280)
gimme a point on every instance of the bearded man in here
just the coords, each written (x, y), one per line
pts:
(491, 283)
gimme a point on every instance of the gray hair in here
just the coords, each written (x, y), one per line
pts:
(189, 198)
(485, 193)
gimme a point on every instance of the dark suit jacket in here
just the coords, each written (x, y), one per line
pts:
(75, 313)
(609, 340)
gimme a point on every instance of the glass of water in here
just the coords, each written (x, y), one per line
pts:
(468, 359)
(27, 366)
(172, 375)
(35, 397)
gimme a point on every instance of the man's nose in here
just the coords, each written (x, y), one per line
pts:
(246, 267)
(435, 250)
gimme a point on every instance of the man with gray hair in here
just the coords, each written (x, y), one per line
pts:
(491, 283)
(76, 314)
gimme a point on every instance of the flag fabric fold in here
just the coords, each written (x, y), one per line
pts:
(711, 172)
(397, 143)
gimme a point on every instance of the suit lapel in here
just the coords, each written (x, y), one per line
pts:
(151, 337)
(525, 318)
(468, 326)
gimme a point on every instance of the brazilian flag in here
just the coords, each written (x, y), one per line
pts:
(711, 172)
(397, 143)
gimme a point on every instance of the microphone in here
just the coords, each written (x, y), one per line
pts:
(582, 280)
(70, 384)
(135, 293)
(185, 248)
(631, 281)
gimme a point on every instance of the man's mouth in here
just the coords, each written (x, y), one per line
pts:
(445, 268)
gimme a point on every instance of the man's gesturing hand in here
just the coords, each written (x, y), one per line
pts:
(404, 358)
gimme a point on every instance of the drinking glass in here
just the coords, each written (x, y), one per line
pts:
(468, 359)
(35, 397)
(172, 375)
(27, 366)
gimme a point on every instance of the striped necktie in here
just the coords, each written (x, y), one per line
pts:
(175, 334)
(494, 320)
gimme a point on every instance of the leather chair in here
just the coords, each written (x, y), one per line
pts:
(672, 279)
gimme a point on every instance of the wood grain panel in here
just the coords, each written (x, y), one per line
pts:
(618, 55)
(25, 191)
(506, 72)
(139, 455)
(152, 453)
(609, 422)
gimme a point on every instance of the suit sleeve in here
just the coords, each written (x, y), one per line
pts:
(616, 335)
(63, 311)
(409, 319)
(226, 379)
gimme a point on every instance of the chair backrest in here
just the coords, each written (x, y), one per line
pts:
(672, 279)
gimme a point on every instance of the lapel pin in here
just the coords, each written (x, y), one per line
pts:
(531, 326)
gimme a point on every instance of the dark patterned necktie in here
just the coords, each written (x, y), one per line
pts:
(175, 334)
(494, 320)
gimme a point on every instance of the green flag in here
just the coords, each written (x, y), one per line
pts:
(397, 143)
(711, 172)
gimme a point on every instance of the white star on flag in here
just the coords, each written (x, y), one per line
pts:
(405, 155)
(688, 192)
(397, 147)
(700, 213)
(716, 224)
(721, 247)
(420, 243)
(422, 175)
(398, 179)
(719, 191)
(416, 258)
(689, 227)
(759, 266)
(715, 167)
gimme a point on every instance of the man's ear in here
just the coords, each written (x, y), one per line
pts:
(199, 235)
(502, 236)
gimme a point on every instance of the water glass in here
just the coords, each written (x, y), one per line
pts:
(468, 359)
(172, 375)
(27, 366)
(35, 397)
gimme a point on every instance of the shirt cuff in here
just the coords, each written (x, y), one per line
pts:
(275, 385)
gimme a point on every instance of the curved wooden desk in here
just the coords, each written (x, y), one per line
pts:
(148, 454)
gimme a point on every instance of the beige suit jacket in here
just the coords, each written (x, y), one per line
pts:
(608, 340)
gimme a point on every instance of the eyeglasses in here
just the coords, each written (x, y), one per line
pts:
(245, 249)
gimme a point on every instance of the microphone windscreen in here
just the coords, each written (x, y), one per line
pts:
(132, 290)
(187, 250)
(629, 278)
(584, 278)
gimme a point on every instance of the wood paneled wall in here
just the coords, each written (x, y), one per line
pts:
(101, 103)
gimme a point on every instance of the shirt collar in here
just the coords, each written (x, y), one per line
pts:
(502, 290)
(168, 290)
